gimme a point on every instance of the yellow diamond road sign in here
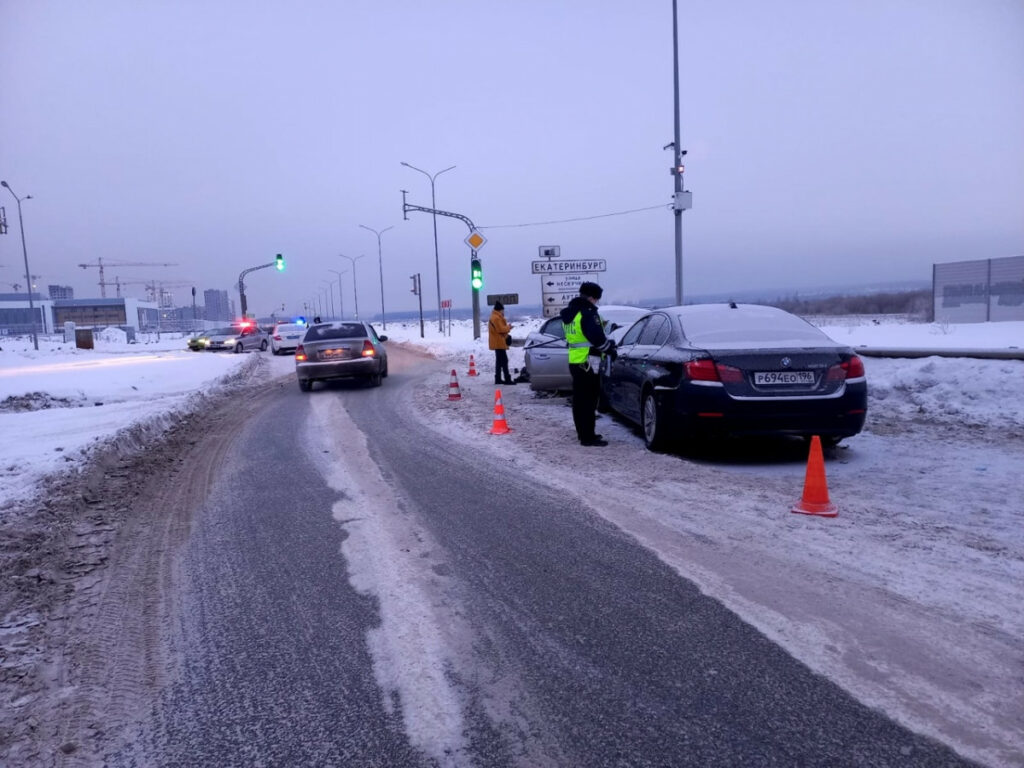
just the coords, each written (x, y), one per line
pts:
(475, 240)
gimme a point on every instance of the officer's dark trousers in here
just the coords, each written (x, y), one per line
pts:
(585, 392)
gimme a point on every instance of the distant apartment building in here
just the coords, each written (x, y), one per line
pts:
(217, 305)
(58, 292)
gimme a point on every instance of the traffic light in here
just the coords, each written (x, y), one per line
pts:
(477, 275)
(279, 262)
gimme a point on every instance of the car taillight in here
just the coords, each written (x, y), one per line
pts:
(368, 350)
(702, 370)
(300, 353)
(728, 373)
(854, 367)
(277, 337)
(848, 369)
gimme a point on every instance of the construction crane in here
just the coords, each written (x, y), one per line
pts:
(101, 264)
(154, 288)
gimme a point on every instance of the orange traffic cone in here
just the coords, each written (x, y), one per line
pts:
(472, 367)
(815, 500)
(500, 425)
(453, 388)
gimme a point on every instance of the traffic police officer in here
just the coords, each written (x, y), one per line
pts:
(584, 333)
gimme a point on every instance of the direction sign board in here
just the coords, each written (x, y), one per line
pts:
(504, 298)
(551, 311)
(568, 266)
(560, 283)
(558, 299)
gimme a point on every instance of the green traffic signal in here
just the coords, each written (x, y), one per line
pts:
(477, 275)
(279, 262)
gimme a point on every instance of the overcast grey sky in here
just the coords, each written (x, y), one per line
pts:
(830, 143)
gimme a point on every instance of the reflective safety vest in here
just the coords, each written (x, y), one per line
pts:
(579, 347)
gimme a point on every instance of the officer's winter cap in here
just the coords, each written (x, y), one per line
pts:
(591, 290)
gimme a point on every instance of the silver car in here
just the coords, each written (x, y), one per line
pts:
(241, 337)
(547, 354)
(344, 349)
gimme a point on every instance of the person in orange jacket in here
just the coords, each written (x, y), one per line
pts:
(497, 339)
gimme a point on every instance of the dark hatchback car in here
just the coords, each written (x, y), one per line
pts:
(341, 350)
(728, 369)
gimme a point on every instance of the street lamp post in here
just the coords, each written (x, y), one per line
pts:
(380, 264)
(28, 272)
(437, 261)
(341, 298)
(330, 293)
(355, 286)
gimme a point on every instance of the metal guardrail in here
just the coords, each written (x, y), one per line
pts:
(1011, 353)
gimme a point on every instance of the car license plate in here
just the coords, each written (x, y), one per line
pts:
(335, 354)
(769, 378)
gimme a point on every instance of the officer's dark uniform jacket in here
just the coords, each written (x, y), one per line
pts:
(589, 324)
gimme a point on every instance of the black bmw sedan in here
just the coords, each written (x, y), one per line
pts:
(734, 369)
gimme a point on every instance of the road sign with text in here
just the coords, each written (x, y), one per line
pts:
(504, 298)
(568, 266)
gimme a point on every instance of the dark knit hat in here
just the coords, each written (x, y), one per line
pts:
(591, 290)
(499, 306)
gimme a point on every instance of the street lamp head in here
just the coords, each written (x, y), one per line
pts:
(4, 183)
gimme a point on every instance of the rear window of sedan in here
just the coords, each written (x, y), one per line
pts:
(343, 331)
(289, 328)
(738, 328)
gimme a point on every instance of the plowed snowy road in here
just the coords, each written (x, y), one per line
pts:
(415, 591)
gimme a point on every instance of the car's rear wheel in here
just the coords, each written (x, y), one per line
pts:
(305, 384)
(263, 346)
(375, 379)
(275, 351)
(385, 373)
(652, 423)
(238, 348)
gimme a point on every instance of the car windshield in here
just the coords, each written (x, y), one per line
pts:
(224, 331)
(749, 325)
(341, 331)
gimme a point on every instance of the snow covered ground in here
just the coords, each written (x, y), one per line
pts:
(910, 599)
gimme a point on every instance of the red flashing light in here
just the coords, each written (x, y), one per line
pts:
(368, 350)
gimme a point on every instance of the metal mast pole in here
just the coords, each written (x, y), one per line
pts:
(28, 272)
(678, 157)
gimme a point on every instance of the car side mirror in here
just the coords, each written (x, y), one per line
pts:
(383, 338)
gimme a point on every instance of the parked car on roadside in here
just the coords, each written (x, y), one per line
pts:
(734, 369)
(546, 355)
(239, 337)
(198, 342)
(343, 349)
(285, 337)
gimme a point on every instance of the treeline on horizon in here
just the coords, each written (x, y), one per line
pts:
(916, 304)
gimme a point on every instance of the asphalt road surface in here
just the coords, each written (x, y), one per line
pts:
(359, 591)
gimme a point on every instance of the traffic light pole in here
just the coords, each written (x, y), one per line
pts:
(277, 262)
(406, 207)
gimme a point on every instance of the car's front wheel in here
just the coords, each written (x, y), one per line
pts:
(239, 348)
(263, 346)
(652, 423)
